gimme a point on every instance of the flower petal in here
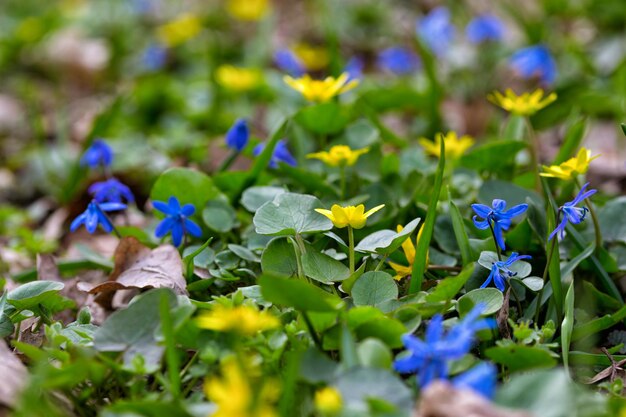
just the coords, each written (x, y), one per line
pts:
(193, 228)
(164, 227)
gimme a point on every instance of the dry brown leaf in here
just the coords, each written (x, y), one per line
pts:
(138, 267)
(440, 399)
(14, 375)
(502, 318)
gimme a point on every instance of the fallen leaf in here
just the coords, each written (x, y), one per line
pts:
(502, 318)
(440, 399)
(13, 376)
(138, 267)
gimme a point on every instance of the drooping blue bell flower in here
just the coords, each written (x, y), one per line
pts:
(238, 135)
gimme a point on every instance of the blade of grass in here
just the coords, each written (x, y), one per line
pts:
(459, 232)
(573, 138)
(421, 252)
(567, 326)
(171, 356)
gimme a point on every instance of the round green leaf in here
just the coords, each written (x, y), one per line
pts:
(297, 294)
(31, 294)
(279, 258)
(374, 354)
(290, 214)
(219, 216)
(386, 241)
(533, 283)
(323, 268)
(325, 118)
(254, 197)
(374, 287)
(521, 358)
(491, 297)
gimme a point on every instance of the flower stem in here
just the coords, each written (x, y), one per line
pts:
(534, 152)
(312, 331)
(594, 218)
(226, 163)
(342, 181)
(351, 248)
(517, 301)
(545, 272)
(495, 240)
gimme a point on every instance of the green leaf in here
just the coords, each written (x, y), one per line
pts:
(324, 119)
(28, 296)
(493, 156)
(373, 288)
(536, 216)
(491, 297)
(346, 286)
(6, 326)
(323, 268)
(533, 283)
(449, 287)
(361, 133)
(307, 179)
(297, 294)
(573, 137)
(254, 197)
(611, 219)
(186, 184)
(460, 233)
(567, 326)
(521, 358)
(386, 241)
(219, 216)
(569, 267)
(514, 128)
(373, 353)
(421, 252)
(279, 258)
(132, 330)
(289, 214)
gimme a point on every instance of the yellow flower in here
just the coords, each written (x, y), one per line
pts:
(248, 10)
(525, 105)
(237, 78)
(244, 320)
(314, 58)
(455, 146)
(409, 251)
(179, 30)
(328, 400)
(339, 155)
(234, 394)
(570, 168)
(321, 91)
(354, 217)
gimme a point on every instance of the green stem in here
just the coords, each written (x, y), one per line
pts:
(298, 250)
(342, 181)
(545, 273)
(495, 240)
(519, 304)
(226, 163)
(380, 263)
(312, 331)
(351, 248)
(534, 152)
(594, 218)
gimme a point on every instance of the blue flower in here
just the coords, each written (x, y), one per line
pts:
(288, 61)
(94, 215)
(503, 266)
(481, 378)
(238, 135)
(354, 68)
(485, 28)
(98, 154)
(534, 61)
(496, 217)
(154, 57)
(435, 30)
(281, 154)
(429, 358)
(176, 221)
(571, 213)
(398, 60)
(110, 191)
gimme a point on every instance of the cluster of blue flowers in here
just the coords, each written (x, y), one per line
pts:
(430, 358)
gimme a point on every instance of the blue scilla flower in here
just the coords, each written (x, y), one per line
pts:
(571, 213)
(94, 215)
(436, 31)
(496, 217)
(354, 68)
(500, 271)
(111, 191)
(238, 135)
(176, 221)
(154, 58)
(398, 59)
(281, 154)
(534, 61)
(481, 379)
(483, 28)
(98, 154)
(430, 358)
(288, 61)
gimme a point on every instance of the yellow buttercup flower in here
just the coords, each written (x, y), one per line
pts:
(328, 400)
(314, 58)
(321, 91)
(570, 168)
(339, 155)
(526, 104)
(455, 146)
(179, 30)
(244, 320)
(409, 251)
(247, 10)
(237, 78)
(352, 216)
(234, 393)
